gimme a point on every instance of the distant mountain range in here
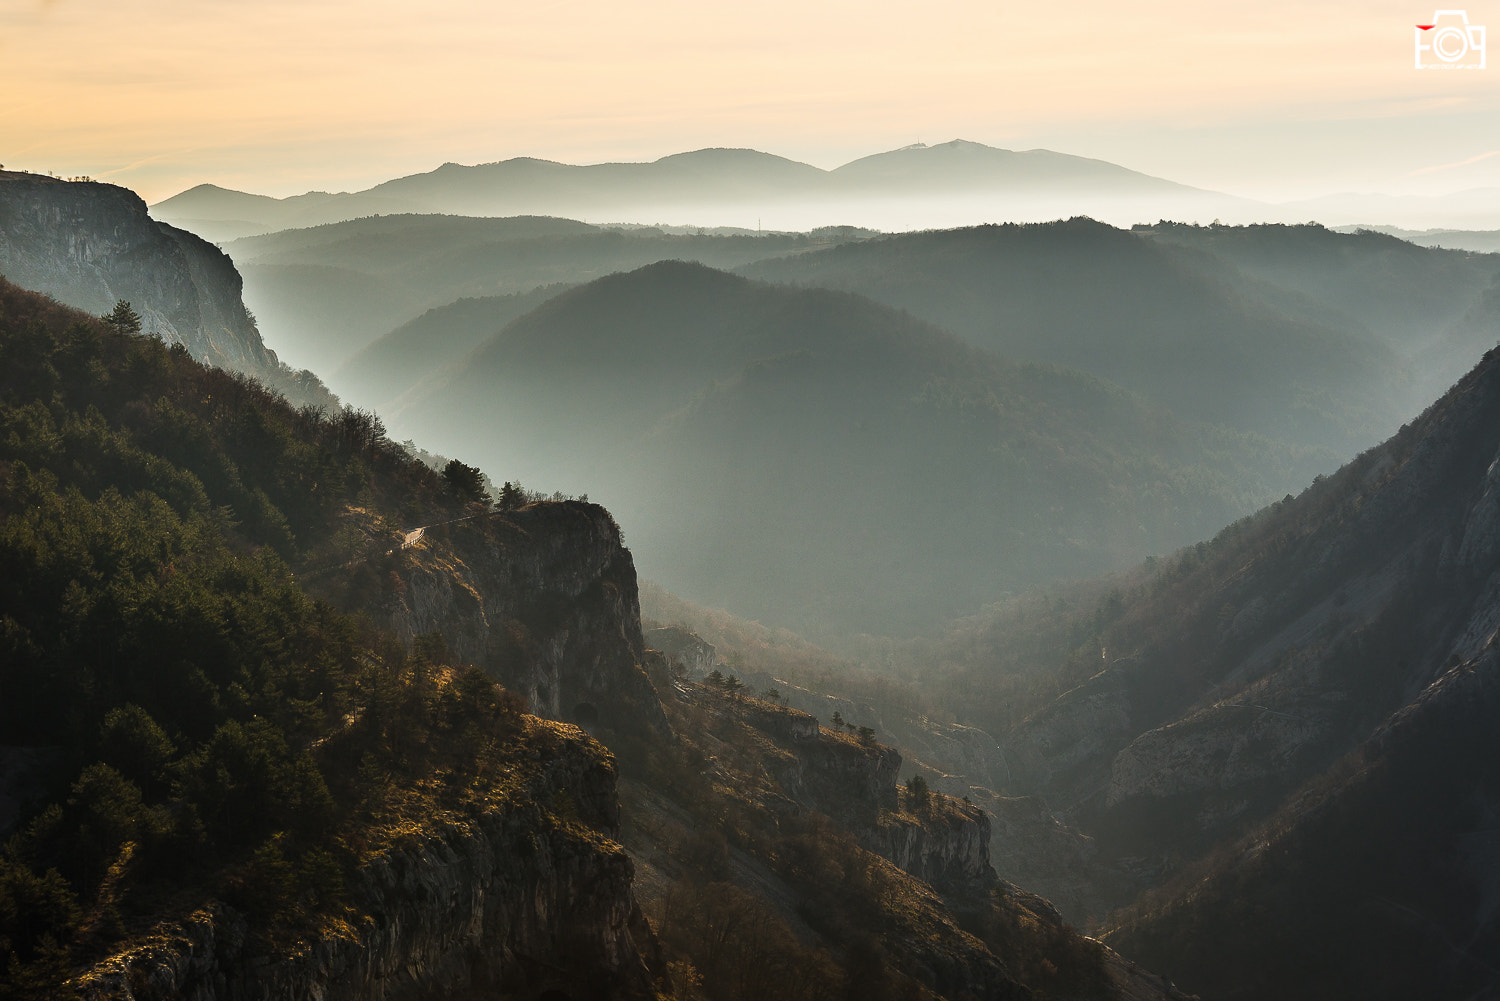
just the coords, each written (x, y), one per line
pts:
(1480, 241)
(957, 183)
(718, 186)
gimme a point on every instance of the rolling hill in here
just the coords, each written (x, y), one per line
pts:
(824, 462)
(324, 293)
(381, 372)
(1183, 326)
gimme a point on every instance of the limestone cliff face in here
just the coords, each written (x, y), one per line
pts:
(946, 845)
(684, 649)
(512, 901)
(544, 598)
(837, 775)
(855, 783)
(957, 759)
(89, 245)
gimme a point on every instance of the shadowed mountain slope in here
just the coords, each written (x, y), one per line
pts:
(1293, 737)
(1184, 329)
(382, 371)
(324, 293)
(815, 458)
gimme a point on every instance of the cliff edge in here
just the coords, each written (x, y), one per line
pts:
(89, 245)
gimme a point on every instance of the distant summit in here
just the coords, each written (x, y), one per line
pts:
(965, 165)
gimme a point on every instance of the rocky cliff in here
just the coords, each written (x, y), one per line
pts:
(90, 245)
(544, 599)
(514, 900)
(685, 650)
(850, 780)
(946, 844)
(810, 820)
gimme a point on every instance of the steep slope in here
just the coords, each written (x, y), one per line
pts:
(1184, 330)
(380, 372)
(764, 841)
(1292, 733)
(1379, 881)
(543, 599)
(219, 785)
(90, 245)
(815, 459)
(509, 900)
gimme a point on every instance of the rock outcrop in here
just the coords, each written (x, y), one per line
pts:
(850, 781)
(513, 901)
(544, 599)
(90, 245)
(947, 845)
(684, 650)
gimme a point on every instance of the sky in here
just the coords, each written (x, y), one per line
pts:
(1268, 100)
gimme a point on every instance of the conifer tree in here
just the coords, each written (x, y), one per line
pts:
(123, 318)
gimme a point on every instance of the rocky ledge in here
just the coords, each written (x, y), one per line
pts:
(544, 599)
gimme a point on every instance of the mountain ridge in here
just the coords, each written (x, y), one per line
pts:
(698, 183)
(783, 403)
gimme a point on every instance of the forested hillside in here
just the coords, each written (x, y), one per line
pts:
(181, 720)
(215, 780)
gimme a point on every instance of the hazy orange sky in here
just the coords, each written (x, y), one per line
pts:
(1273, 100)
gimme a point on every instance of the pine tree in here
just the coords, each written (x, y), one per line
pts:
(123, 318)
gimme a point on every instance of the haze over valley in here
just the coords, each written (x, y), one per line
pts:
(575, 502)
